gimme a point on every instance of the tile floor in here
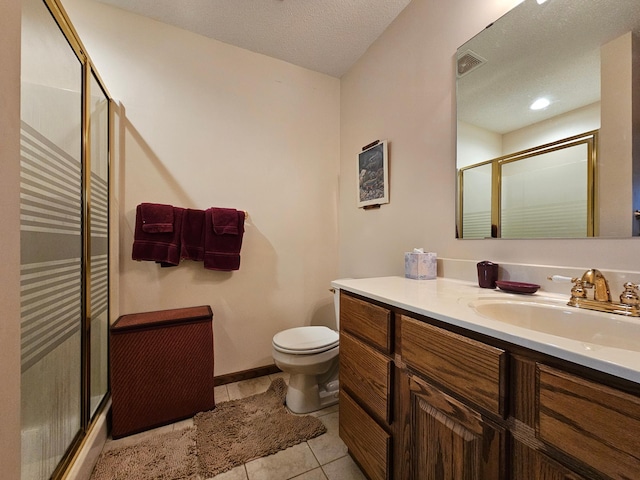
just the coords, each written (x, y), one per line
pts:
(321, 458)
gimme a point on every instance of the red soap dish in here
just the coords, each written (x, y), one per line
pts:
(517, 287)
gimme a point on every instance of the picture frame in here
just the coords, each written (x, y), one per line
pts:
(373, 175)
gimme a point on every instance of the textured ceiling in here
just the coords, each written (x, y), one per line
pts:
(550, 50)
(327, 36)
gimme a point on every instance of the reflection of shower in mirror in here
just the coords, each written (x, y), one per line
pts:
(581, 56)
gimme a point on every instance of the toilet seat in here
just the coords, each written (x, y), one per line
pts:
(305, 340)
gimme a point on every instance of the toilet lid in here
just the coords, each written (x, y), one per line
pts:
(305, 340)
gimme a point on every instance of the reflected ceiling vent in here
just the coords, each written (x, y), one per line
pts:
(469, 61)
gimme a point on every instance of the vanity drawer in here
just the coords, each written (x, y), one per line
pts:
(593, 423)
(472, 369)
(368, 443)
(366, 373)
(367, 321)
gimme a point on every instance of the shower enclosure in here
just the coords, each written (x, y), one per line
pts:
(64, 243)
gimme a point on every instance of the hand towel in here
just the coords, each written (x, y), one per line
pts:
(225, 221)
(222, 250)
(157, 218)
(157, 247)
(192, 245)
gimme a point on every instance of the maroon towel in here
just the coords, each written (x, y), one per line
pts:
(158, 247)
(222, 250)
(192, 247)
(157, 218)
(225, 221)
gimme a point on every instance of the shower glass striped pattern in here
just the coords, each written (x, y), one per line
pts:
(64, 194)
(98, 299)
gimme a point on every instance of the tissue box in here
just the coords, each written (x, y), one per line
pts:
(420, 266)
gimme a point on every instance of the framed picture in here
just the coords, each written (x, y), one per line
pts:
(373, 175)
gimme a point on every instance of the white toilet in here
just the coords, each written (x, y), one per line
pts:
(310, 356)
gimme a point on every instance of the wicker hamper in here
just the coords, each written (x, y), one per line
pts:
(161, 368)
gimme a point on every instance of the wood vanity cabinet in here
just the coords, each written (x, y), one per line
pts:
(530, 464)
(596, 424)
(366, 391)
(450, 440)
(592, 429)
(453, 438)
(433, 402)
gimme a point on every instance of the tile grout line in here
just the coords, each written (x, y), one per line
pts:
(317, 460)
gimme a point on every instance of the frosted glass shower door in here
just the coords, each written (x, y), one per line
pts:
(98, 299)
(476, 201)
(546, 195)
(51, 243)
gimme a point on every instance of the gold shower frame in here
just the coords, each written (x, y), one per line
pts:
(589, 138)
(88, 70)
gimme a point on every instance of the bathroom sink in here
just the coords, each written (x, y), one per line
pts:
(556, 318)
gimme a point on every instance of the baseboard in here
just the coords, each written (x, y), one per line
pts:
(245, 375)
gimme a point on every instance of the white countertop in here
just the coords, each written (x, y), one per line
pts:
(448, 300)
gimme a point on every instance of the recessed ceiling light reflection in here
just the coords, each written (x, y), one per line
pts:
(540, 2)
(539, 104)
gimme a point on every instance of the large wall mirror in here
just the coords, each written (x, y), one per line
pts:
(548, 122)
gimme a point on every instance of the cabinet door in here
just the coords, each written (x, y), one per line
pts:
(529, 464)
(450, 440)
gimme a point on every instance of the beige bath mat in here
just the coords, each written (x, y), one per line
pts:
(165, 456)
(240, 430)
(229, 435)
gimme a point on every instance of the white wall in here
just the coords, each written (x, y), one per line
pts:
(476, 145)
(403, 90)
(616, 136)
(206, 124)
(575, 122)
(10, 239)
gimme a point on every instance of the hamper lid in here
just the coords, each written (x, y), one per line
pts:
(135, 321)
